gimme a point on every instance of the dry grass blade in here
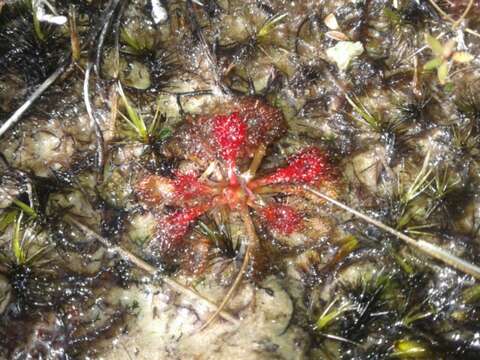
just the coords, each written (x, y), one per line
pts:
(128, 256)
(426, 247)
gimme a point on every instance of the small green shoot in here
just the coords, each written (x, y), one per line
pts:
(143, 133)
(444, 55)
(420, 230)
(13, 217)
(21, 246)
(270, 25)
(134, 119)
(442, 185)
(219, 235)
(468, 102)
(7, 219)
(416, 314)
(464, 139)
(471, 295)
(366, 117)
(350, 244)
(403, 263)
(331, 314)
(37, 27)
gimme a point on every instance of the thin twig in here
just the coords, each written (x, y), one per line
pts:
(339, 338)
(426, 247)
(128, 256)
(116, 40)
(36, 94)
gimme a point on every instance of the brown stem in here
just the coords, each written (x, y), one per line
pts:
(257, 160)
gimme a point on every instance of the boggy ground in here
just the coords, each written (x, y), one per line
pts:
(154, 202)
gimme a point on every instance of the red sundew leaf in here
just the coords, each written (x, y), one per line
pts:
(187, 187)
(282, 218)
(230, 133)
(155, 190)
(306, 167)
(173, 228)
(196, 139)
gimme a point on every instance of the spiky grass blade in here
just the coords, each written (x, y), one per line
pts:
(419, 184)
(330, 314)
(134, 119)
